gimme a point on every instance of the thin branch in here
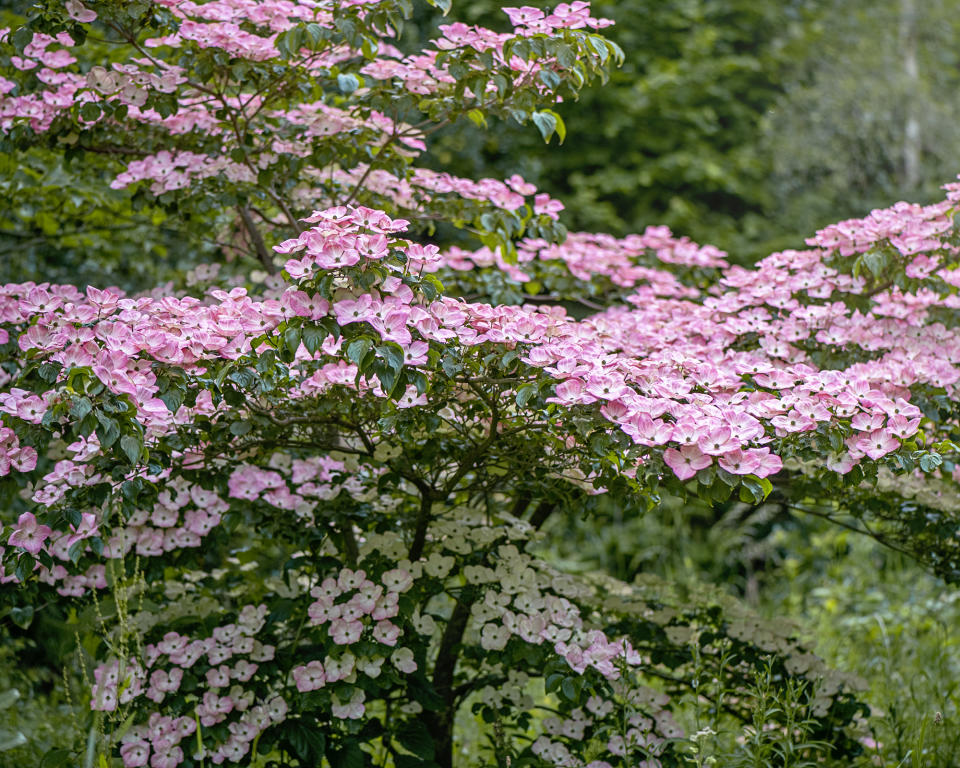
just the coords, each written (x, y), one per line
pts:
(864, 531)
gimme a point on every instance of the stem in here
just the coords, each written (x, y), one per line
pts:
(91, 752)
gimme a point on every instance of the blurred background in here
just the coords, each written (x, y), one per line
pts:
(747, 124)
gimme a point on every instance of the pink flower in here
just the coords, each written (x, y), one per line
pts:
(301, 304)
(604, 387)
(218, 677)
(386, 632)
(571, 392)
(410, 398)
(397, 580)
(764, 462)
(25, 461)
(686, 462)
(86, 529)
(135, 754)
(79, 12)
(310, 678)
(878, 443)
(323, 610)
(520, 17)
(841, 464)
(718, 441)
(738, 463)
(900, 426)
(345, 632)
(29, 535)
(349, 710)
(243, 670)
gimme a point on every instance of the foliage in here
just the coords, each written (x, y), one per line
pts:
(295, 519)
(862, 120)
(675, 136)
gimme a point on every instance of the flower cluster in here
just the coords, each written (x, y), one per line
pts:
(230, 656)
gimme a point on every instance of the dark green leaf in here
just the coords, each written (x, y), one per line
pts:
(414, 736)
(132, 446)
(22, 615)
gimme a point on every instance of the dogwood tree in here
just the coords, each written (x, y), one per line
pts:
(300, 500)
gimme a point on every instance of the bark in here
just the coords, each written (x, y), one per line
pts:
(257, 239)
(911, 71)
(440, 723)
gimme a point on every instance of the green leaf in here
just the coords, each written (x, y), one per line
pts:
(313, 337)
(306, 741)
(875, 261)
(549, 78)
(56, 758)
(240, 428)
(291, 338)
(80, 408)
(415, 737)
(108, 431)
(549, 122)
(478, 118)
(930, 461)
(131, 488)
(132, 446)
(525, 392)
(7, 698)
(266, 361)
(90, 111)
(21, 38)
(22, 615)
(315, 32)
(173, 399)
(599, 45)
(552, 682)
(348, 756)
(49, 372)
(392, 355)
(357, 349)
(76, 549)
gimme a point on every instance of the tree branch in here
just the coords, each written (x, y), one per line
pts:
(261, 247)
(541, 513)
(423, 522)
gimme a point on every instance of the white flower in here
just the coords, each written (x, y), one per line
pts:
(350, 710)
(424, 624)
(494, 637)
(438, 565)
(397, 580)
(370, 667)
(402, 659)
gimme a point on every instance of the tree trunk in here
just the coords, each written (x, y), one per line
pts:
(911, 71)
(440, 723)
